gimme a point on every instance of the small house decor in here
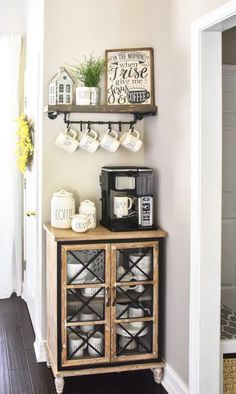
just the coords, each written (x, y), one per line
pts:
(25, 146)
(60, 90)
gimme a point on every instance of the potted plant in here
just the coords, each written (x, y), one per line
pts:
(89, 73)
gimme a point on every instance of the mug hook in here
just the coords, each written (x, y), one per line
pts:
(131, 127)
(89, 127)
(109, 126)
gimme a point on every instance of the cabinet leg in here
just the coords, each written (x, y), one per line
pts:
(157, 374)
(59, 384)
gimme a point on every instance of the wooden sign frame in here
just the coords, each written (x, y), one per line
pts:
(129, 76)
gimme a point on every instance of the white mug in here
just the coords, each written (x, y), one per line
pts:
(124, 340)
(131, 140)
(120, 311)
(75, 342)
(73, 269)
(144, 264)
(109, 141)
(81, 223)
(122, 204)
(67, 140)
(135, 312)
(86, 315)
(97, 341)
(83, 95)
(89, 141)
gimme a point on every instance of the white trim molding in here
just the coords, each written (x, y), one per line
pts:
(206, 194)
(40, 349)
(172, 382)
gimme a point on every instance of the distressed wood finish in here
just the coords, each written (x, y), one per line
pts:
(106, 323)
(101, 234)
(153, 319)
(51, 287)
(118, 368)
(114, 109)
(155, 298)
(110, 242)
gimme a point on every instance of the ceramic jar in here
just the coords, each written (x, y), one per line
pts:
(88, 208)
(81, 223)
(62, 209)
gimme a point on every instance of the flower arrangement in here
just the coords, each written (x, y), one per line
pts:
(25, 147)
(89, 71)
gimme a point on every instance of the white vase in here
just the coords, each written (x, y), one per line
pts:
(87, 96)
(94, 96)
(82, 95)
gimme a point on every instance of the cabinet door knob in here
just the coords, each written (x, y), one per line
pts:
(31, 213)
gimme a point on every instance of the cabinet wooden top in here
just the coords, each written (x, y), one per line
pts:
(101, 233)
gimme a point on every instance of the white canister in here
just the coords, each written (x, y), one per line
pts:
(62, 209)
(88, 207)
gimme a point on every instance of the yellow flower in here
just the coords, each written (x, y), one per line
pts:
(24, 148)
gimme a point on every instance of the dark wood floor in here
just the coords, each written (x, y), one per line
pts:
(21, 374)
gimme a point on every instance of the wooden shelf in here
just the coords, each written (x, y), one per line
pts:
(101, 233)
(144, 109)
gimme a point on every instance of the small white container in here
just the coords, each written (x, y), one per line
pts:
(88, 208)
(62, 209)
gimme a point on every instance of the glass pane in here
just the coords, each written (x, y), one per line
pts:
(82, 344)
(133, 338)
(136, 303)
(82, 308)
(85, 266)
(134, 264)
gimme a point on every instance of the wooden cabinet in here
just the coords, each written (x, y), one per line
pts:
(102, 302)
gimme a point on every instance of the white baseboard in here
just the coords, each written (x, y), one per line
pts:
(172, 382)
(40, 350)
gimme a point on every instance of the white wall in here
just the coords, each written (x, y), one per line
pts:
(168, 149)
(12, 17)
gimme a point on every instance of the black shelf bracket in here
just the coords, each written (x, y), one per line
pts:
(137, 116)
(101, 122)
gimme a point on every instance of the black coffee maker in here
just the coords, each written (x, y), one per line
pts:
(127, 198)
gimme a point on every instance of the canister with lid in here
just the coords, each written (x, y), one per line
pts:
(88, 208)
(62, 209)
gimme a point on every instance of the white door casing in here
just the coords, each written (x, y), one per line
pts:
(206, 193)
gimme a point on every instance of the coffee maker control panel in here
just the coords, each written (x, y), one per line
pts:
(145, 211)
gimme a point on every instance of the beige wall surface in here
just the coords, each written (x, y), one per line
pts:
(90, 26)
(229, 46)
(167, 148)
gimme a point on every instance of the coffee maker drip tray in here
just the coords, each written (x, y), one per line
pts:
(125, 225)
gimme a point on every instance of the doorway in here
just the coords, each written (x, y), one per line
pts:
(206, 197)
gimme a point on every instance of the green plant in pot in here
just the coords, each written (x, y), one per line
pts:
(89, 73)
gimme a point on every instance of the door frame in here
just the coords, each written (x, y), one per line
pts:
(206, 195)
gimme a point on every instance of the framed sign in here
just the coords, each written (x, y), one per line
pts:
(129, 76)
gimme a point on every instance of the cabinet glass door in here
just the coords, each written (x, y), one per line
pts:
(85, 304)
(134, 301)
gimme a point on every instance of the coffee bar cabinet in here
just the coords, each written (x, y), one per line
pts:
(103, 309)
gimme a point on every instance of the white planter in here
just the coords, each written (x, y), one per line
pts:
(82, 95)
(87, 96)
(94, 96)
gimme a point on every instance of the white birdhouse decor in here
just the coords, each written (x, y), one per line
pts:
(61, 88)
